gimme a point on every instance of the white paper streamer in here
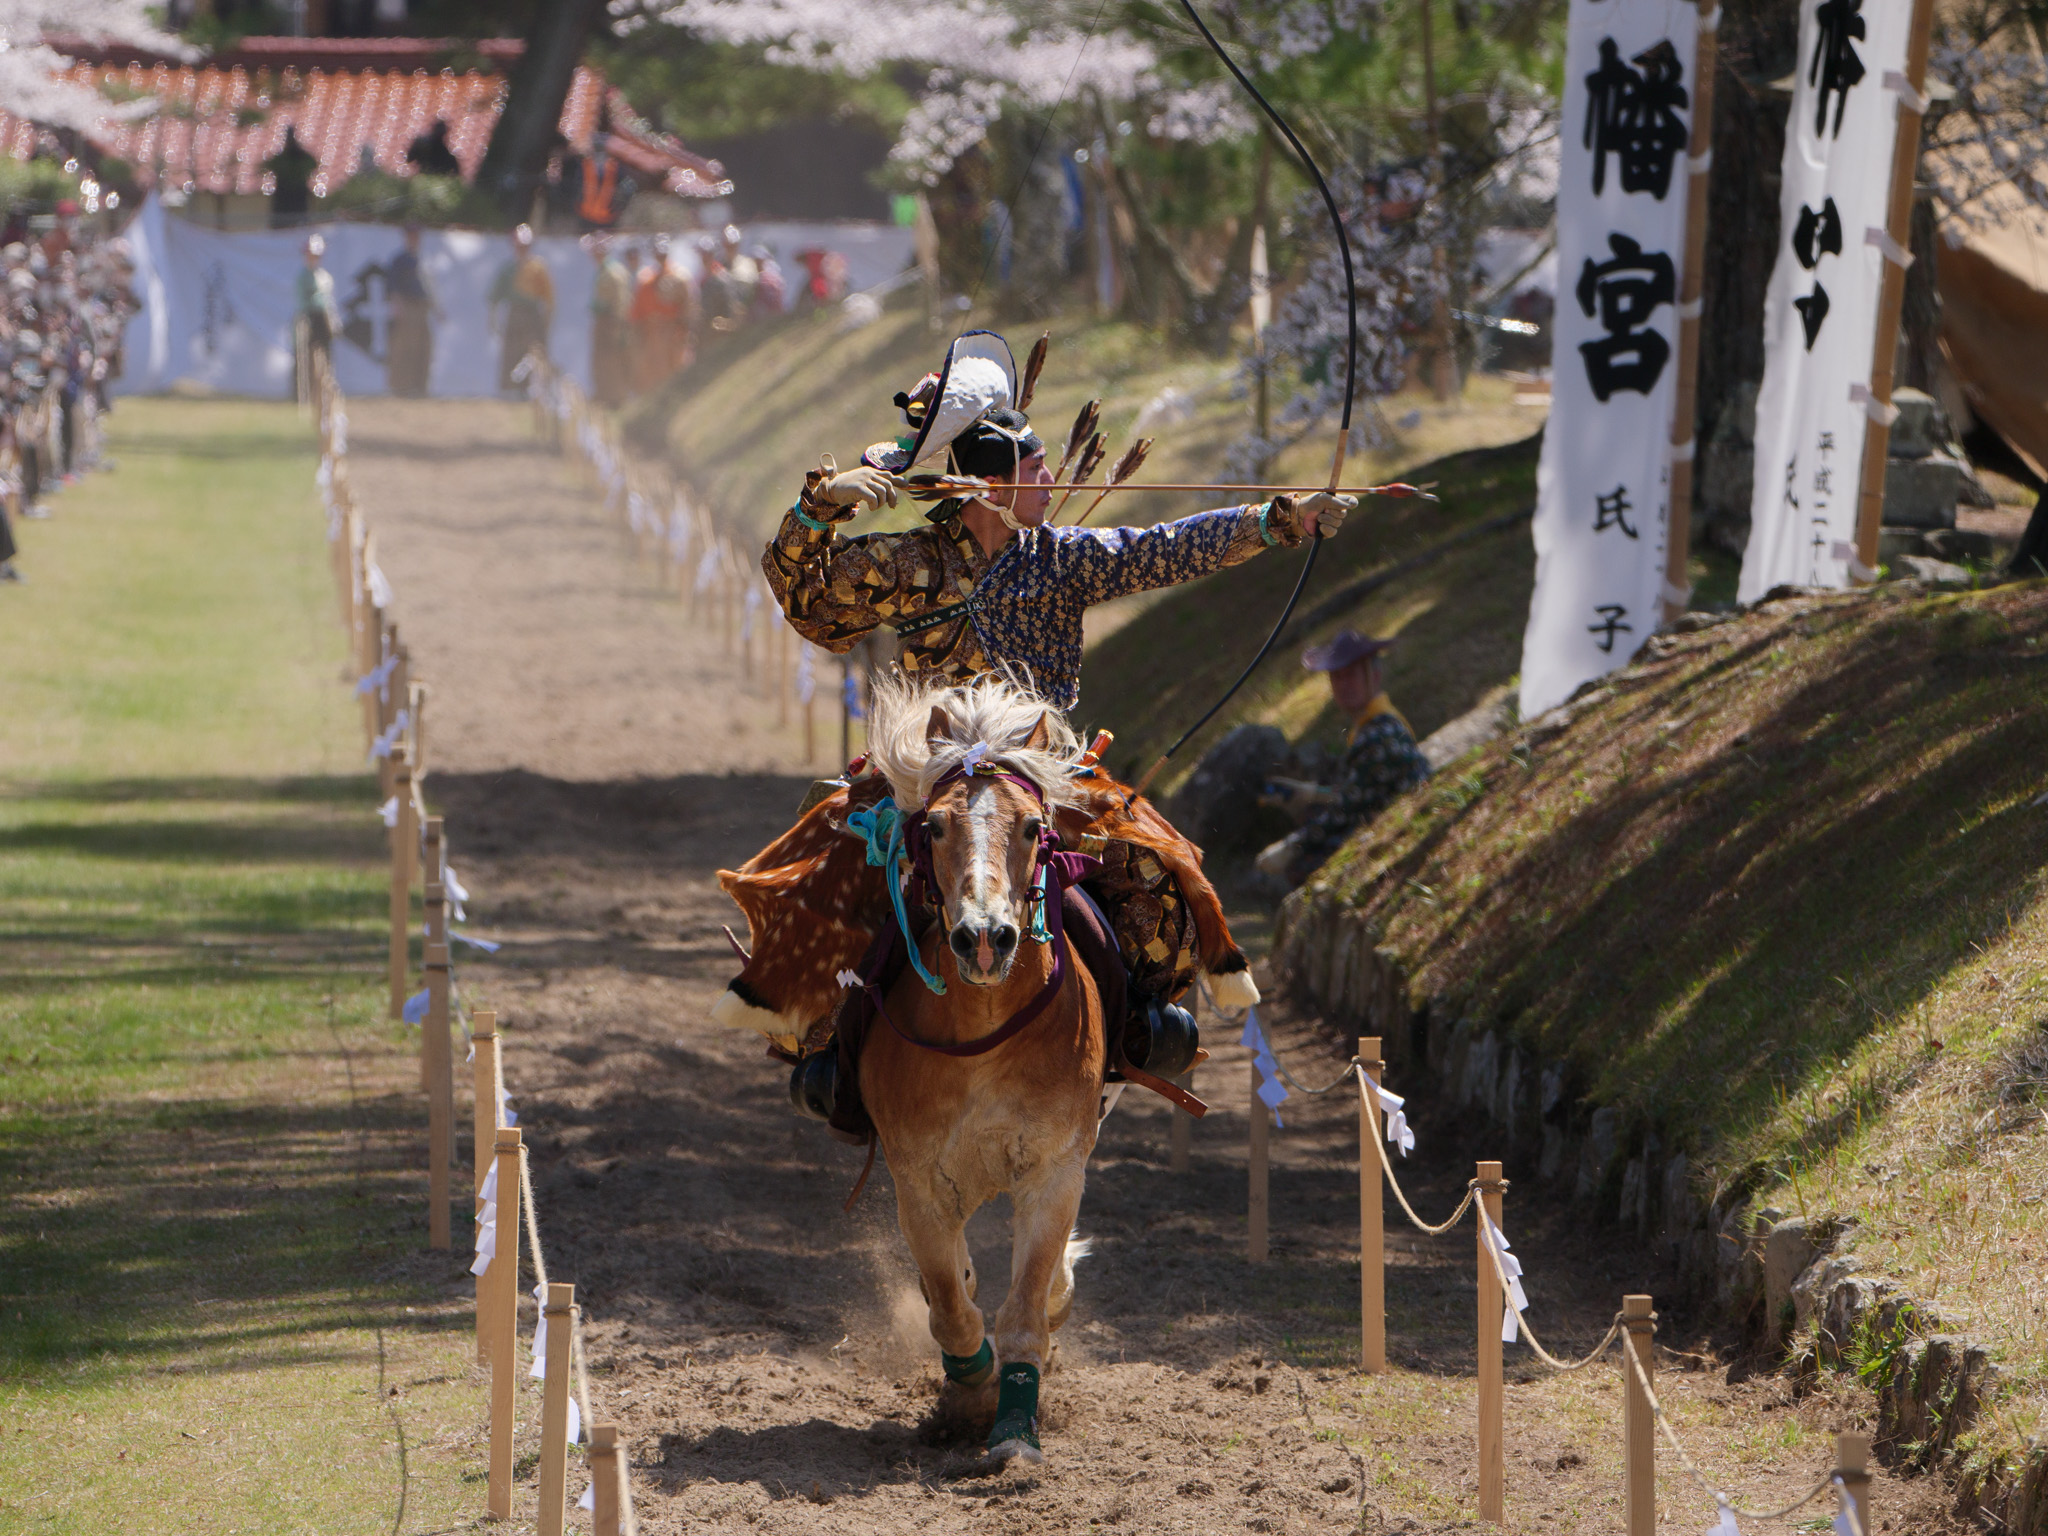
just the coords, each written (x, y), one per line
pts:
(487, 1221)
(456, 892)
(540, 1337)
(1392, 1111)
(416, 1006)
(379, 676)
(589, 1499)
(388, 811)
(848, 979)
(488, 946)
(1272, 1092)
(575, 1419)
(380, 589)
(1512, 1268)
(1725, 1526)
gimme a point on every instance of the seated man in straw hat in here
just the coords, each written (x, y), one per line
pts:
(989, 584)
(1381, 760)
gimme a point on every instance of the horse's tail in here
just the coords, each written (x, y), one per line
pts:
(1060, 1304)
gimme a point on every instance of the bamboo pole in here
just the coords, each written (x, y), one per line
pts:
(1685, 406)
(611, 1502)
(404, 850)
(1372, 1237)
(554, 1411)
(1255, 1197)
(1492, 1474)
(503, 1278)
(484, 1118)
(440, 1094)
(1639, 1425)
(1891, 294)
(1852, 1466)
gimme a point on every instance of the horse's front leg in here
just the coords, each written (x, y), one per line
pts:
(936, 1229)
(1041, 1227)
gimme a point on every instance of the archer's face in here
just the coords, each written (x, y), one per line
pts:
(1032, 494)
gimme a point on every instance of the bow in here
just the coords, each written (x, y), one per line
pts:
(1308, 565)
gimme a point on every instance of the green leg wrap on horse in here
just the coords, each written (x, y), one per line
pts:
(1016, 1408)
(970, 1370)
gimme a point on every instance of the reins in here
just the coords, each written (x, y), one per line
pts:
(1055, 869)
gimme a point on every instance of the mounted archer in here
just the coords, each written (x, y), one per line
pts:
(989, 586)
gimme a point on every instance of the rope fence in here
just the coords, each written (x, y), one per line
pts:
(1503, 1304)
(393, 705)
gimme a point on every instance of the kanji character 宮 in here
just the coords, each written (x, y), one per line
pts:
(1626, 289)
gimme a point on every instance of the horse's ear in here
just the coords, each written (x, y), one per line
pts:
(939, 727)
(1041, 734)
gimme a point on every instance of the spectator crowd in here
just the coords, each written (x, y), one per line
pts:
(65, 300)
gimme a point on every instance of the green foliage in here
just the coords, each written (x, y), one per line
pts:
(388, 199)
(38, 184)
(701, 90)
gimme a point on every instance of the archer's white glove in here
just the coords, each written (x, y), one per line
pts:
(852, 486)
(1322, 513)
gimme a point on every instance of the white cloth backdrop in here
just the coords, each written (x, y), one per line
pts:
(1837, 182)
(217, 308)
(1602, 486)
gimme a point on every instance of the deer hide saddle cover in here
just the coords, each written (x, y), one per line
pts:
(813, 903)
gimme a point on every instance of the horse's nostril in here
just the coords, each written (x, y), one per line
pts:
(962, 942)
(1005, 938)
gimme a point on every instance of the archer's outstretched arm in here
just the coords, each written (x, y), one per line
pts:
(1105, 563)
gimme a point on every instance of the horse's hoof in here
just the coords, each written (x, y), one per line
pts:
(1022, 1446)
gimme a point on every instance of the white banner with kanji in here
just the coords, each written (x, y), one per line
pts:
(1820, 313)
(1602, 486)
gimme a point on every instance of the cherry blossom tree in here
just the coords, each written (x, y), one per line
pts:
(32, 58)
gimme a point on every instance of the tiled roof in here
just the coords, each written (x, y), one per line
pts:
(215, 124)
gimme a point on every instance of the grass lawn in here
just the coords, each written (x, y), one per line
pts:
(216, 1308)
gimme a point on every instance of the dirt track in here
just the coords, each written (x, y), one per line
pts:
(766, 1353)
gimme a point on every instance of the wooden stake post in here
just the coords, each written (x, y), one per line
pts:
(503, 1280)
(440, 1070)
(1372, 1240)
(1492, 1476)
(405, 836)
(1852, 1466)
(1891, 293)
(1638, 1421)
(1255, 1198)
(484, 1115)
(610, 1501)
(554, 1411)
(1678, 525)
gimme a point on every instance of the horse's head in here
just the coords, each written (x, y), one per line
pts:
(971, 757)
(985, 832)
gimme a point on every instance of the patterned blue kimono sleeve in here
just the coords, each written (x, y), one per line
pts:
(1097, 564)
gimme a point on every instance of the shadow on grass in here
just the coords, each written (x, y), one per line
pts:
(269, 840)
(350, 789)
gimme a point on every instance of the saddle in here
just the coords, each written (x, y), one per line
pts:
(815, 906)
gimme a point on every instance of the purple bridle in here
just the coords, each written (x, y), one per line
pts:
(1060, 869)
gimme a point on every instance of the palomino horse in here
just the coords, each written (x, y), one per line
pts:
(968, 1102)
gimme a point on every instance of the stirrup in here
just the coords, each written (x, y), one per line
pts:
(1162, 1039)
(814, 1084)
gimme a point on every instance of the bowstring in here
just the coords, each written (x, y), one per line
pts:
(1308, 565)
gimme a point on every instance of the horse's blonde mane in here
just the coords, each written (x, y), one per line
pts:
(997, 713)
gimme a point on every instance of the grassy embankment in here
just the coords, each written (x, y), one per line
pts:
(215, 1310)
(1778, 892)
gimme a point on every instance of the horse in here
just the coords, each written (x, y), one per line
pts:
(963, 1110)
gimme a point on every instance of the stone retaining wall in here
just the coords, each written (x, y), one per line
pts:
(1786, 1282)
